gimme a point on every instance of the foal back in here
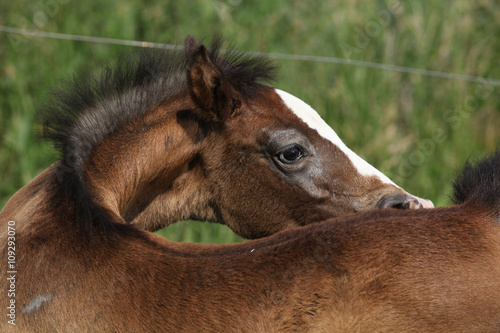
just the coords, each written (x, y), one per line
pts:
(436, 271)
(383, 271)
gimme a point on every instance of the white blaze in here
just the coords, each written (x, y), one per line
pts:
(314, 121)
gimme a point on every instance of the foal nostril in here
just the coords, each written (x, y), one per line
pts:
(399, 201)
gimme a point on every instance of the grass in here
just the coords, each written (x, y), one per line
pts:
(416, 129)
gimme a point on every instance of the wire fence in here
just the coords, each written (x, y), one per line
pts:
(280, 56)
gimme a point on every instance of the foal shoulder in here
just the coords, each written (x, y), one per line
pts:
(26, 203)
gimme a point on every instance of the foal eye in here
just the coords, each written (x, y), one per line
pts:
(291, 154)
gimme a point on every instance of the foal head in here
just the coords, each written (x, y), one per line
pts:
(202, 138)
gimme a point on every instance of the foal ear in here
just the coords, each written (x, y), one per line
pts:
(190, 45)
(209, 88)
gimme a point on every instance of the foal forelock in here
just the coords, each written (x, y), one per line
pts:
(312, 119)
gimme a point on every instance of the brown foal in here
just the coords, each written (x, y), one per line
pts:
(161, 138)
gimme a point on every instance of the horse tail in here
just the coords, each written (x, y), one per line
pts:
(478, 184)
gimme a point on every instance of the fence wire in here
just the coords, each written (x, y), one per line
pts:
(280, 56)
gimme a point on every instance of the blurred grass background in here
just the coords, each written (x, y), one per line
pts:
(418, 130)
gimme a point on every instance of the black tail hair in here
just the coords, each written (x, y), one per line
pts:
(479, 184)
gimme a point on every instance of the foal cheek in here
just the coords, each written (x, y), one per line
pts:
(273, 197)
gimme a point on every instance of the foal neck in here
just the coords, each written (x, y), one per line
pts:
(148, 173)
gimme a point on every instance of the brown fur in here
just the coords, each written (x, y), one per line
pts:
(205, 150)
(381, 271)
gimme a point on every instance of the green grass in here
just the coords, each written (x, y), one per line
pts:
(418, 130)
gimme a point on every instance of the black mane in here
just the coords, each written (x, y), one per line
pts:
(479, 183)
(93, 105)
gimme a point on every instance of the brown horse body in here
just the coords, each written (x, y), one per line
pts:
(381, 271)
(161, 140)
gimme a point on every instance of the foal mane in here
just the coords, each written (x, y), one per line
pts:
(479, 183)
(89, 107)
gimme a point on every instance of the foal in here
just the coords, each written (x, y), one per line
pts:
(433, 270)
(159, 139)
(162, 138)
